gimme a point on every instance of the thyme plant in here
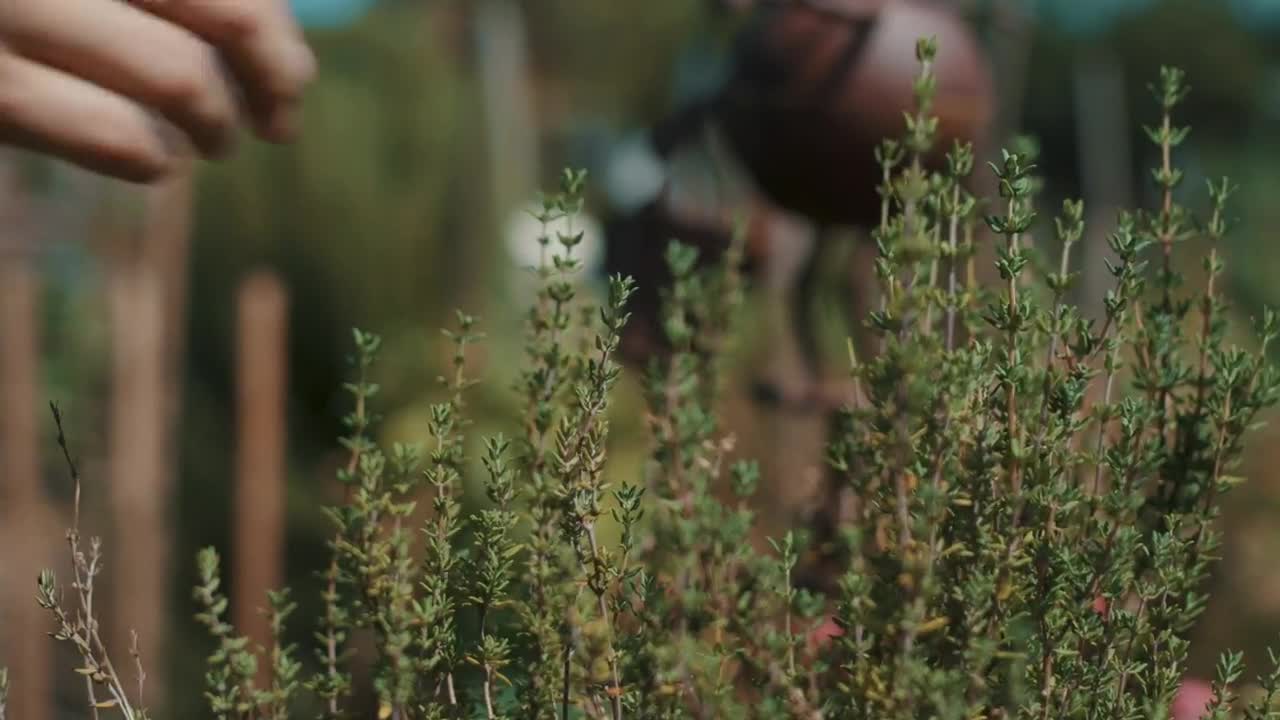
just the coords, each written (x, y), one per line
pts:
(1033, 494)
(76, 623)
(1036, 491)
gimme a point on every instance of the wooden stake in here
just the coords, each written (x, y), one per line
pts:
(261, 377)
(25, 519)
(147, 290)
(139, 491)
(502, 57)
(1102, 139)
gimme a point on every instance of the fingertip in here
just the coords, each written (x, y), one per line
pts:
(280, 123)
(285, 79)
(308, 65)
(139, 151)
(137, 173)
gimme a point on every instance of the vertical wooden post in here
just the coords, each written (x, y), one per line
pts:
(511, 133)
(1102, 138)
(23, 512)
(139, 494)
(259, 506)
(147, 290)
(166, 234)
(500, 55)
(1011, 37)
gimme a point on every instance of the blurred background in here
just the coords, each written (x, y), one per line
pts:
(195, 333)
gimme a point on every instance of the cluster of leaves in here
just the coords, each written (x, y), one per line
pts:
(232, 669)
(1033, 491)
(561, 596)
(1031, 496)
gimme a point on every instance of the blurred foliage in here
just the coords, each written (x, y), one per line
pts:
(611, 61)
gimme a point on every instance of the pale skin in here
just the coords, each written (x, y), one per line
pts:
(127, 88)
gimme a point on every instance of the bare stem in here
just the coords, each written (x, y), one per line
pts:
(933, 279)
(953, 227)
(83, 631)
(1052, 352)
(615, 694)
(488, 695)
(568, 668)
(1113, 359)
(1015, 469)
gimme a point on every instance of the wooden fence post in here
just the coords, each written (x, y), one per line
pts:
(147, 289)
(25, 518)
(259, 505)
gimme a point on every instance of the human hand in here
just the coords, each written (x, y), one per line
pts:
(104, 83)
